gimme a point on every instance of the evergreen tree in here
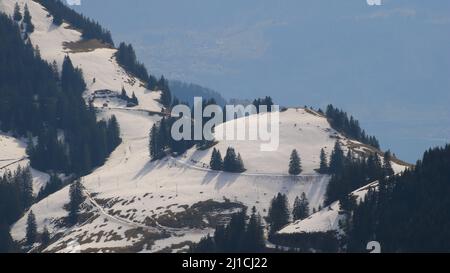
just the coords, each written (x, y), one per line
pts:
(17, 14)
(166, 95)
(254, 241)
(6, 241)
(216, 162)
(29, 27)
(31, 231)
(387, 166)
(295, 167)
(45, 237)
(156, 146)
(25, 181)
(76, 199)
(134, 100)
(233, 163)
(278, 215)
(337, 159)
(301, 208)
(323, 169)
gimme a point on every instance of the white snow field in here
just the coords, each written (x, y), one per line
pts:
(13, 154)
(135, 205)
(328, 218)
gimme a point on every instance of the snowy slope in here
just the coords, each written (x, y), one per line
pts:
(326, 219)
(141, 206)
(98, 63)
(13, 154)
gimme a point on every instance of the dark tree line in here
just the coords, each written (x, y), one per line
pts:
(16, 196)
(409, 212)
(239, 236)
(89, 28)
(340, 121)
(36, 101)
(267, 101)
(232, 162)
(126, 57)
(350, 172)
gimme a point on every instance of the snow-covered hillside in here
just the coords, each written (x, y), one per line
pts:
(137, 205)
(13, 154)
(326, 219)
(97, 62)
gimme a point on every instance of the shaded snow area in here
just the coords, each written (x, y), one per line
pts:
(13, 154)
(326, 219)
(135, 205)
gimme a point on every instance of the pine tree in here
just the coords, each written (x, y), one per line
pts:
(323, 169)
(278, 215)
(166, 95)
(156, 144)
(254, 241)
(134, 100)
(17, 14)
(337, 159)
(76, 199)
(26, 186)
(29, 27)
(216, 162)
(295, 167)
(239, 164)
(233, 163)
(31, 231)
(301, 208)
(387, 165)
(45, 237)
(6, 241)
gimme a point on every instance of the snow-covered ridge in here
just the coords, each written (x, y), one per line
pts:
(129, 197)
(99, 63)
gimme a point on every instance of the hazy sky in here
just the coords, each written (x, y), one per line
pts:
(386, 64)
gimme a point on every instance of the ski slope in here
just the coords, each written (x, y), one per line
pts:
(98, 63)
(135, 205)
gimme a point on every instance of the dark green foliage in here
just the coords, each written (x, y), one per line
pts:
(126, 57)
(31, 232)
(267, 101)
(35, 101)
(239, 236)
(295, 166)
(166, 95)
(131, 102)
(16, 195)
(353, 174)
(233, 163)
(187, 91)
(17, 16)
(409, 212)
(216, 163)
(6, 241)
(301, 208)
(322, 242)
(52, 186)
(323, 169)
(278, 215)
(337, 159)
(340, 121)
(89, 28)
(45, 237)
(29, 27)
(76, 199)
(387, 165)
